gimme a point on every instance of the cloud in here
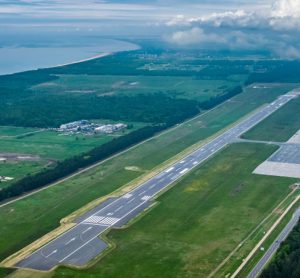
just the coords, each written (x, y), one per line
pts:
(276, 29)
(286, 8)
(282, 14)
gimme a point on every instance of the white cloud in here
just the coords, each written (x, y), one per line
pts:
(195, 36)
(276, 29)
(286, 8)
(282, 13)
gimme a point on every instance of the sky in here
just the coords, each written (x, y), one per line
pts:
(272, 25)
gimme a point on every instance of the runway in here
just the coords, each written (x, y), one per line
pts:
(82, 243)
(275, 245)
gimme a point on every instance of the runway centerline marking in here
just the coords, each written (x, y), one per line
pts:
(72, 239)
(53, 252)
(89, 228)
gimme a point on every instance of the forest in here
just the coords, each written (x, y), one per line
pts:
(21, 106)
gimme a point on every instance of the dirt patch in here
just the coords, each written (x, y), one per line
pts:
(237, 190)
(279, 211)
(133, 168)
(18, 157)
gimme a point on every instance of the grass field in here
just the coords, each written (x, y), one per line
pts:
(49, 144)
(180, 87)
(280, 126)
(46, 208)
(15, 131)
(198, 222)
(19, 169)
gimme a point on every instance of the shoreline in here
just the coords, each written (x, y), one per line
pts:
(104, 54)
(97, 56)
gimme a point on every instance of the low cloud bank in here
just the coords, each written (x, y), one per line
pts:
(276, 30)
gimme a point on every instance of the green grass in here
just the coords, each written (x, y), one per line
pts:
(198, 222)
(50, 144)
(46, 208)
(280, 126)
(19, 169)
(15, 131)
(180, 87)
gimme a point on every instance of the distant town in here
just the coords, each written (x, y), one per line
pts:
(88, 128)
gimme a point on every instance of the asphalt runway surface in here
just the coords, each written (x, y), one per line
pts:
(275, 245)
(80, 244)
(288, 153)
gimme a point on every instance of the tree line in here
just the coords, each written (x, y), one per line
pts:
(71, 165)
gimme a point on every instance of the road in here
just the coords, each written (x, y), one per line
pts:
(275, 245)
(80, 244)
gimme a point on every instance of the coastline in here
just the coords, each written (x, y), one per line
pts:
(105, 54)
(97, 56)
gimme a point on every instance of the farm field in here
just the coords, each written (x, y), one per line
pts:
(280, 126)
(47, 207)
(220, 203)
(110, 85)
(52, 145)
(19, 169)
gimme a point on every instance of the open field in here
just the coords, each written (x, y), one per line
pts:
(220, 203)
(47, 207)
(109, 85)
(50, 144)
(19, 169)
(8, 131)
(280, 126)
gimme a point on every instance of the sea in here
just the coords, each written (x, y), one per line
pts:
(22, 53)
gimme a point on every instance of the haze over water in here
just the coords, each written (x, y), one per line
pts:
(21, 55)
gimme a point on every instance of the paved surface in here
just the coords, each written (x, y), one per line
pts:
(285, 162)
(288, 153)
(78, 245)
(278, 169)
(275, 245)
(295, 139)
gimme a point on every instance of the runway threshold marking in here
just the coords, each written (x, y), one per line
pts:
(146, 198)
(107, 227)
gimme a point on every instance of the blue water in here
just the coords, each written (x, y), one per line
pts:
(41, 54)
